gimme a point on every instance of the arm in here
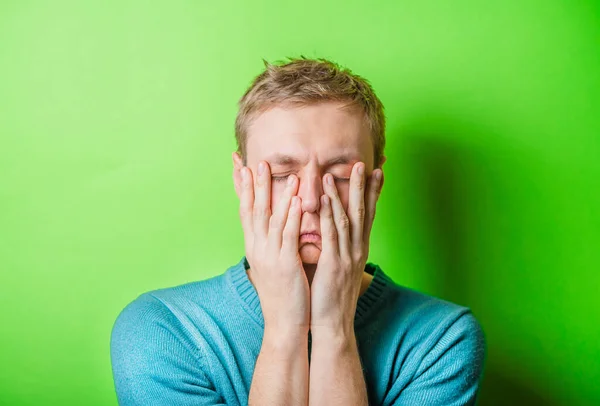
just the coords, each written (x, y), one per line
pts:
(281, 372)
(336, 376)
(154, 360)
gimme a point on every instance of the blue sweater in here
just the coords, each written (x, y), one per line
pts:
(197, 344)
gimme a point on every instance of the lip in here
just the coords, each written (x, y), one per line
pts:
(310, 236)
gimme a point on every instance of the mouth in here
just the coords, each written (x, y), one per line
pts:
(310, 237)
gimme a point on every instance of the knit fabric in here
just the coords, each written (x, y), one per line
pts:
(197, 344)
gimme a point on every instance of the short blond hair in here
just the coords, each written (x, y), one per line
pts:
(304, 81)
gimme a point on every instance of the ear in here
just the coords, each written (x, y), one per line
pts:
(238, 164)
(383, 159)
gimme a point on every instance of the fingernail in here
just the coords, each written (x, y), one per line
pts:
(361, 169)
(261, 168)
(294, 201)
(326, 200)
(378, 175)
(329, 179)
(290, 181)
(244, 175)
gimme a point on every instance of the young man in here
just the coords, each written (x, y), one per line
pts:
(302, 318)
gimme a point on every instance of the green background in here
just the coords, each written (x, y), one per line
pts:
(116, 129)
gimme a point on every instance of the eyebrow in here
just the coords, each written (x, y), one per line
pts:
(284, 159)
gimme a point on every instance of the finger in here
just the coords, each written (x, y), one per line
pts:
(280, 214)
(329, 235)
(341, 220)
(262, 201)
(291, 231)
(247, 202)
(356, 206)
(372, 196)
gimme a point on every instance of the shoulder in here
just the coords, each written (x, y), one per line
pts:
(420, 311)
(440, 346)
(423, 323)
(439, 331)
(156, 346)
(141, 325)
(151, 314)
(161, 324)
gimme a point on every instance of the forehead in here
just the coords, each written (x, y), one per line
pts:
(322, 131)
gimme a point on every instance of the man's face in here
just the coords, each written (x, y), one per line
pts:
(309, 141)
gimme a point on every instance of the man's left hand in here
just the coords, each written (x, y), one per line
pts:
(336, 285)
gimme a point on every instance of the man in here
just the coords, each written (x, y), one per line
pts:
(302, 318)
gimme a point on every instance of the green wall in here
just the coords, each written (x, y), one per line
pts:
(116, 128)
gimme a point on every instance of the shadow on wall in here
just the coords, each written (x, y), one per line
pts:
(444, 175)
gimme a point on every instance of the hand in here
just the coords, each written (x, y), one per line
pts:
(271, 244)
(335, 288)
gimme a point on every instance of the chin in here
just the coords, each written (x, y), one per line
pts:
(309, 253)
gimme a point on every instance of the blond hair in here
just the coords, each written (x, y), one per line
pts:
(304, 81)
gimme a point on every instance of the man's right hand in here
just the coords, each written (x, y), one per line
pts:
(271, 244)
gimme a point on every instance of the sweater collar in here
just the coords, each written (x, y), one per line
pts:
(238, 281)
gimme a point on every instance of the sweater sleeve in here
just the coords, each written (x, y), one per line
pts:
(450, 373)
(154, 360)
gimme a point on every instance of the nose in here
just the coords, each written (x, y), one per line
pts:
(310, 190)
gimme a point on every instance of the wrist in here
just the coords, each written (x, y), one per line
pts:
(334, 339)
(343, 328)
(285, 339)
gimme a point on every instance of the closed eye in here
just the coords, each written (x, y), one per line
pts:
(283, 178)
(279, 178)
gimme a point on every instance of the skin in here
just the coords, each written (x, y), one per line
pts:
(312, 135)
(308, 168)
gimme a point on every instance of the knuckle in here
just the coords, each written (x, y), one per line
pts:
(259, 252)
(346, 263)
(260, 212)
(370, 213)
(360, 182)
(288, 233)
(275, 223)
(361, 212)
(344, 222)
(246, 184)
